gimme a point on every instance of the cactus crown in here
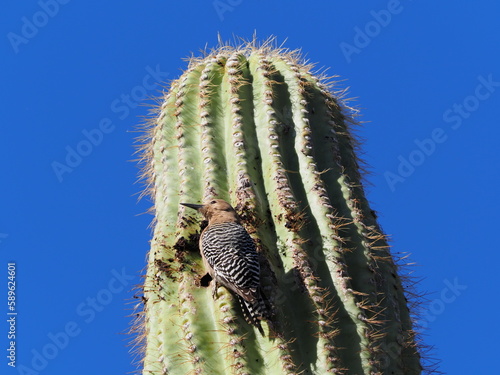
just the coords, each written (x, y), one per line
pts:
(254, 126)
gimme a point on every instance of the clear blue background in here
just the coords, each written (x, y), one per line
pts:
(70, 238)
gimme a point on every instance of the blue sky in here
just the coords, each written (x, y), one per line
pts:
(76, 80)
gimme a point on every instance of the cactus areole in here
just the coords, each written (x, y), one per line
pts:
(254, 126)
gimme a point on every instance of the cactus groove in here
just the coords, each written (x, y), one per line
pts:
(254, 126)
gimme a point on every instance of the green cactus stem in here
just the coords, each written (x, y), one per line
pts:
(255, 127)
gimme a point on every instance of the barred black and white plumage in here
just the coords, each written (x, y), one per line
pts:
(233, 262)
(231, 259)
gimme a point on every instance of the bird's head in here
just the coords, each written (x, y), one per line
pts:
(215, 210)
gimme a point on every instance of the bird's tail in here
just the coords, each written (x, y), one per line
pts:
(255, 311)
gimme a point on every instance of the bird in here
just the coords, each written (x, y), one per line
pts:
(230, 258)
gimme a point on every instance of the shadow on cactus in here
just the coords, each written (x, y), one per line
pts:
(252, 125)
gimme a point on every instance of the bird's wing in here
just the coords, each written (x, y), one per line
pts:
(230, 252)
(241, 275)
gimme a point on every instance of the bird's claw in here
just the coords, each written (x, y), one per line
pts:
(214, 290)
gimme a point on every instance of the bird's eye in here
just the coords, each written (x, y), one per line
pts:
(213, 202)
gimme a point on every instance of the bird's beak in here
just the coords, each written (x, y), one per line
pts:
(193, 206)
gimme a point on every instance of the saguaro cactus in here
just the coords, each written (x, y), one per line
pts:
(253, 126)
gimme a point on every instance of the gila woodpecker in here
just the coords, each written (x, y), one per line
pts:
(230, 258)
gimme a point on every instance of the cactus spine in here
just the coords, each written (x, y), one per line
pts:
(252, 125)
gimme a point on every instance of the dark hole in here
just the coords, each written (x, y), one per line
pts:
(205, 280)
